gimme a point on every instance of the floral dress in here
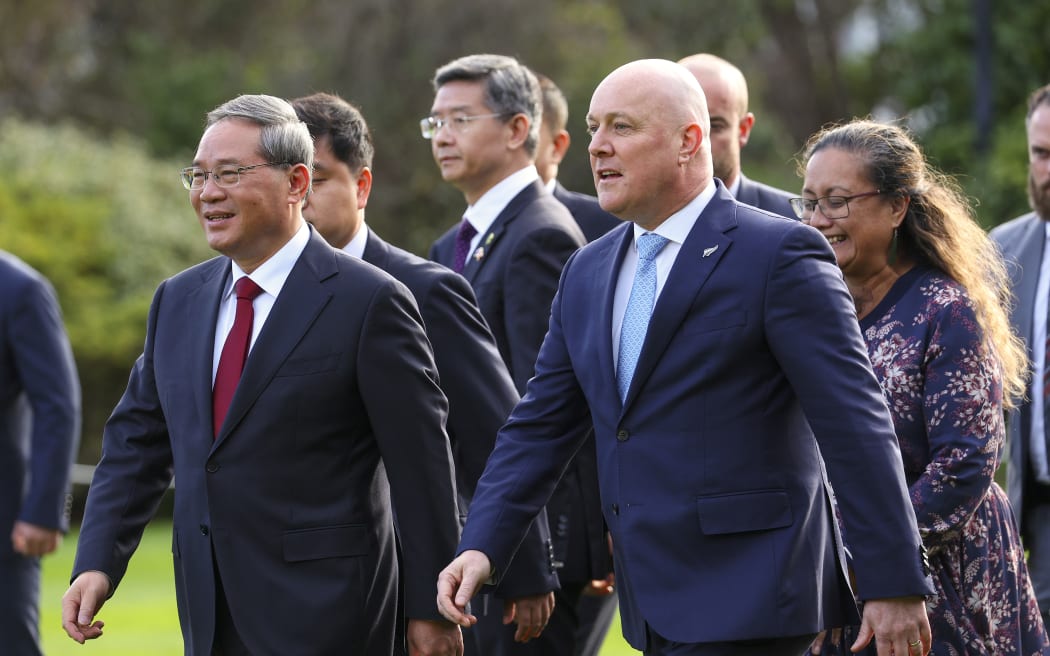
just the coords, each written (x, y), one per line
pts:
(944, 392)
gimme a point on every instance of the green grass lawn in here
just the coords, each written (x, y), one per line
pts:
(141, 618)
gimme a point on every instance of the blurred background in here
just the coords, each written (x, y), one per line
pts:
(101, 103)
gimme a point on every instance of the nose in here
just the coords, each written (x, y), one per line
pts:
(599, 145)
(211, 189)
(817, 218)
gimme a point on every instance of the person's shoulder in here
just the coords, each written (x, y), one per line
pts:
(417, 273)
(15, 270)
(1004, 231)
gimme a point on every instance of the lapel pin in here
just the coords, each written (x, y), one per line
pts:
(709, 250)
(479, 254)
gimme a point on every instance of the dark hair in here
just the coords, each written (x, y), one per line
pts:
(555, 106)
(328, 115)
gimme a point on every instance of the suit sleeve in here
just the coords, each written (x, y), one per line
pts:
(535, 268)
(407, 410)
(817, 341)
(133, 473)
(481, 396)
(543, 434)
(44, 364)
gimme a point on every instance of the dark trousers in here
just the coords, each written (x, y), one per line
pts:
(19, 599)
(497, 639)
(595, 616)
(790, 646)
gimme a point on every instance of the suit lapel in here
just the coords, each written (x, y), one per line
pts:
(487, 244)
(703, 249)
(377, 251)
(604, 288)
(1030, 257)
(299, 303)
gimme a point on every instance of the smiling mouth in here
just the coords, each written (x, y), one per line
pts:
(214, 218)
(835, 239)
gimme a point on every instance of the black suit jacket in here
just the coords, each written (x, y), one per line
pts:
(589, 215)
(479, 390)
(514, 272)
(765, 197)
(338, 411)
(39, 404)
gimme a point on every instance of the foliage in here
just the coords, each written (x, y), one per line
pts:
(105, 223)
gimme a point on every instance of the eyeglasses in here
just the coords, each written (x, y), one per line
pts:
(832, 207)
(458, 124)
(194, 177)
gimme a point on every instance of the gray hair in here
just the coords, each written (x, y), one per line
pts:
(284, 137)
(510, 88)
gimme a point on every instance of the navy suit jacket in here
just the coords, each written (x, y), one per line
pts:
(479, 390)
(1021, 242)
(514, 272)
(39, 403)
(764, 197)
(589, 215)
(712, 480)
(337, 411)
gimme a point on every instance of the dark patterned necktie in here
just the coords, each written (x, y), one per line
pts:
(234, 351)
(463, 238)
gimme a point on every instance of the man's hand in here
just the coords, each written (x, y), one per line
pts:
(459, 582)
(601, 587)
(531, 614)
(81, 602)
(899, 625)
(34, 541)
(432, 638)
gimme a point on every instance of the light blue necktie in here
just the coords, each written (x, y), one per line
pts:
(639, 309)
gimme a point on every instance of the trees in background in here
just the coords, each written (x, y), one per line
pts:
(105, 101)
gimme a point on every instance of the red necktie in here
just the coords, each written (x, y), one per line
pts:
(463, 237)
(234, 351)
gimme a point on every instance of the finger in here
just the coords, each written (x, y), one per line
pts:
(447, 606)
(863, 638)
(817, 644)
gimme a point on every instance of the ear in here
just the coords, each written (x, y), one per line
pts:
(746, 123)
(692, 139)
(519, 131)
(560, 146)
(899, 206)
(364, 187)
(298, 183)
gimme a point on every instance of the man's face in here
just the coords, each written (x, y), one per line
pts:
(472, 155)
(633, 149)
(1039, 161)
(730, 128)
(252, 220)
(338, 197)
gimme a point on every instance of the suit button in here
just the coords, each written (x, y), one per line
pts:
(204, 529)
(616, 509)
(622, 436)
(212, 467)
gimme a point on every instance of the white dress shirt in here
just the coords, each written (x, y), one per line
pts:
(1037, 438)
(483, 213)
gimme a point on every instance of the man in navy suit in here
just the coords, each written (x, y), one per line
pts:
(711, 416)
(581, 541)
(515, 238)
(479, 389)
(39, 433)
(1024, 243)
(731, 123)
(284, 536)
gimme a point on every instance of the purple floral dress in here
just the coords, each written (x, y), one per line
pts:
(945, 394)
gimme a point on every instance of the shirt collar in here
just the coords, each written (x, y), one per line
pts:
(356, 247)
(677, 226)
(483, 213)
(272, 274)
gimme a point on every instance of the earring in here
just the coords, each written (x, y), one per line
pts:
(893, 248)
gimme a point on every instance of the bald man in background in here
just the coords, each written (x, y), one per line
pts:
(731, 123)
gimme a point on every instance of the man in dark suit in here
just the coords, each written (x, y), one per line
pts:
(711, 476)
(511, 245)
(283, 528)
(580, 537)
(731, 123)
(39, 433)
(473, 377)
(1024, 242)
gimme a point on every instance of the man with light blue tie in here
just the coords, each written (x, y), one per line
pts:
(713, 435)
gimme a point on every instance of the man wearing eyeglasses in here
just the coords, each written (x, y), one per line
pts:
(726, 90)
(292, 392)
(511, 245)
